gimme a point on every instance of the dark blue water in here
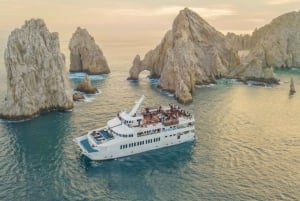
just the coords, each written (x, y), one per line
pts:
(247, 147)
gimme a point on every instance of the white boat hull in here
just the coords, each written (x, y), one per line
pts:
(101, 153)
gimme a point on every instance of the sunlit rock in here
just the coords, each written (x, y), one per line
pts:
(193, 52)
(86, 56)
(36, 73)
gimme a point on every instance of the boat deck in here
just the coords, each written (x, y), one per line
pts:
(167, 116)
(86, 145)
(101, 136)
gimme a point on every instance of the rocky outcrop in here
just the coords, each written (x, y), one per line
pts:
(86, 56)
(135, 69)
(77, 96)
(240, 42)
(278, 46)
(36, 73)
(292, 87)
(86, 86)
(183, 94)
(193, 52)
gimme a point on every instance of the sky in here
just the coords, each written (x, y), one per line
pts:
(127, 16)
(125, 28)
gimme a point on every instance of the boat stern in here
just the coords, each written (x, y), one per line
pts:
(84, 145)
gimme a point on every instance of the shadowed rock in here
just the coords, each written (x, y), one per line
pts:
(292, 87)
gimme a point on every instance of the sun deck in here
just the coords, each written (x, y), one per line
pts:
(101, 136)
(167, 116)
(86, 145)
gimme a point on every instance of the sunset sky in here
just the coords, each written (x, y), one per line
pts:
(142, 15)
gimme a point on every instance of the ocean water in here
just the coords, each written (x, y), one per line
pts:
(247, 146)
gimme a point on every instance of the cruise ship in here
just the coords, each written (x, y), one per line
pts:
(136, 131)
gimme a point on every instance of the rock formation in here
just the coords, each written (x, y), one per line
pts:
(86, 56)
(240, 42)
(77, 96)
(36, 72)
(86, 86)
(292, 87)
(193, 52)
(278, 46)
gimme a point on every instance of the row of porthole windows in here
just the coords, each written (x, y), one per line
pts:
(134, 144)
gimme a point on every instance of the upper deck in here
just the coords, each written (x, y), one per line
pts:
(165, 115)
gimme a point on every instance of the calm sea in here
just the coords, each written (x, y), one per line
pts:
(247, 147)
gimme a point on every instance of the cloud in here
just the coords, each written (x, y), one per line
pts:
(204, 12)
(280, 2)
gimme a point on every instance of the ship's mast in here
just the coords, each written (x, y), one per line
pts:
(136, 106)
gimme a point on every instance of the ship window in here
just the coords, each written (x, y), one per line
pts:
(121, 147)
(154, 140)
(138, 143)
(151, 141)
(166, 136)
(134, 144)
(129, 145)
(126, 146)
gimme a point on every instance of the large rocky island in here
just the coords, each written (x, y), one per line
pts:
(275, 45)
(86, 56)
(193, 52)
(36, 73)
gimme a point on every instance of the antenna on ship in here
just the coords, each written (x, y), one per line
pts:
(292, 87)
(136, 106)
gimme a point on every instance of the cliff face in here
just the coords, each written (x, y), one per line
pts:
(278, 46)
(36, 72)
(86, 56)
(193, 52)
(240, 42)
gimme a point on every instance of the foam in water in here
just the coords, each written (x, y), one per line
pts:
(205, 86)
(81, 75)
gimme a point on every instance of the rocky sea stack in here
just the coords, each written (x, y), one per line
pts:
(86, 56)
(36, 73)
(85, 86)
(193, 52)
